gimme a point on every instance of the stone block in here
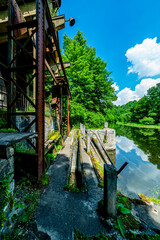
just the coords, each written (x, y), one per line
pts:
(6, 166)
(6, 152)
(110, 136)
(106, 125)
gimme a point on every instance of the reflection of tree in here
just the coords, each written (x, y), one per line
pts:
(147, 132)
(148, 140)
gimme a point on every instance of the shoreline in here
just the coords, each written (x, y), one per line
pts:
(138, 125)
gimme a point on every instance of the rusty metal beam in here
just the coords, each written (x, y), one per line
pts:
(61, 114)
(22, 48)
(22, 68)
(49, 19)
(21, 90)
(50, 70)
(40, 52)
(28, 24)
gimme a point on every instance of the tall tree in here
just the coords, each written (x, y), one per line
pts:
(90, 82)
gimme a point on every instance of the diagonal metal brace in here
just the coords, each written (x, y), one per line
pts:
(121, 168)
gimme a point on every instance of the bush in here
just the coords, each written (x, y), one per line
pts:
(147, 121)
(79, 114)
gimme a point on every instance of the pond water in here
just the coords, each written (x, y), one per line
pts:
(141, 149)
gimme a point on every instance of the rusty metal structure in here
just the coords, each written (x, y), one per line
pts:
(33, 53)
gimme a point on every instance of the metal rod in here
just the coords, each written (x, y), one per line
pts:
(121, 168)
(22, 92)
(50, 70)
(28, 24)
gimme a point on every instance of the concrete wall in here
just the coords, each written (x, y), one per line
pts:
(23, 121)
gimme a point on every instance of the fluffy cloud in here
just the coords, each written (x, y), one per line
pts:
(127, 95)
(145, 58)
(115, 86)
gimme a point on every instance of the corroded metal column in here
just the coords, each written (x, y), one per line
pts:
(11, 51)
(67, 114)
(61, 114)
(40, 56)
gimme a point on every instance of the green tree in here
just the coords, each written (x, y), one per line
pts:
(90, 82)
(153, 95)
(140, 109)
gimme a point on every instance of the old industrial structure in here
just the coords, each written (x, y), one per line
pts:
(29, 51)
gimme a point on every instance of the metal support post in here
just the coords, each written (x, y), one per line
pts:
(40, 52)
(61, 114)
(110, 190)
(11, 52)
(67, 114)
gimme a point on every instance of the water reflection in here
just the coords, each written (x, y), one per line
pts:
(140, 148)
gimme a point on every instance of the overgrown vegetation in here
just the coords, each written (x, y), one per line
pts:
(23, 204)
(5, 130)
(3, 118)
(78, 235)
(4, 197)
(50, 157)
(125, 223)
(98, 169)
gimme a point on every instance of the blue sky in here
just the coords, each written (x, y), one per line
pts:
(115, 28)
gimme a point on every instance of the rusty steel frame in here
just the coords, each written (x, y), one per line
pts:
(42, 15)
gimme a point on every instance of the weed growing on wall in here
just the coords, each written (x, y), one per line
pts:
(5, 198)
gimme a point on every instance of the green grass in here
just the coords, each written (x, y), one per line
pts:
(53, 136)
(138, 125)
(149, 199)
(80, 236)
(5, 130)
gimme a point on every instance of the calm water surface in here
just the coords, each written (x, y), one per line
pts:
(141, 149)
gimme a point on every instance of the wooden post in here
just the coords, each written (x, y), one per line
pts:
(110, 190)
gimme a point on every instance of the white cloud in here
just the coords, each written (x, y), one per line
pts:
(125, 144)
(128, 145)
(127, 95)
(115, 86)
(145, 58)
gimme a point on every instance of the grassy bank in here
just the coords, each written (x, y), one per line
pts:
(138, 125)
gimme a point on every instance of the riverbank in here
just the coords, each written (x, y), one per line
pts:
(138, 125)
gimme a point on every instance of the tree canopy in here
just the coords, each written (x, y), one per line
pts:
(90, 83)
(144, 111)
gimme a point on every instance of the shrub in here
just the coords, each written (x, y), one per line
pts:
(147, 121)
